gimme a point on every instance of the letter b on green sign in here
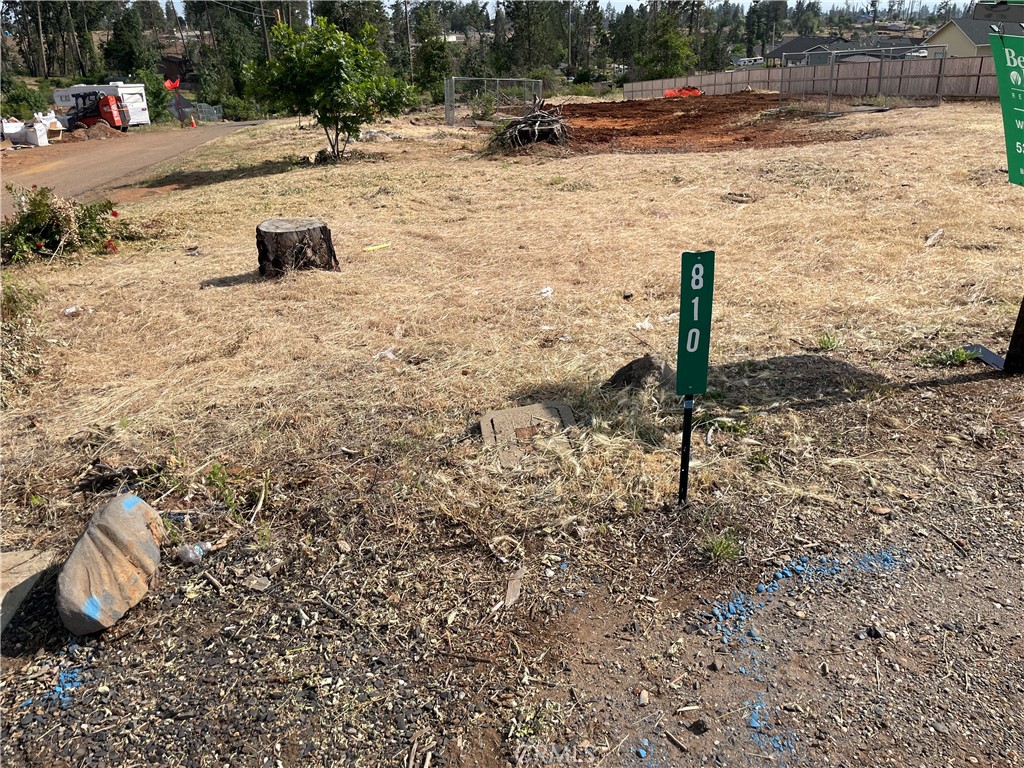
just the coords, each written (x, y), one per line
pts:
(695, 294)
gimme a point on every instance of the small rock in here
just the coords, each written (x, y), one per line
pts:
(19, 572)
(258, 583)
(638, 373)
(801, 614)
(374, 136)
(890, 636)
(934, 238)
(862, 635)
(717, 665)
(875, 633)
(742, 198)
(698, 727)
(644, 698)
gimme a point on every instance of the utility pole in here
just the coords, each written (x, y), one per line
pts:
(263, 26)
(74, 39)
(42, 43)
(408, 32)
(568, 55)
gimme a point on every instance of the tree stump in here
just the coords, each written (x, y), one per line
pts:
(286, 244)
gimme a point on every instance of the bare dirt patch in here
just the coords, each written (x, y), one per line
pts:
(88, 170)
(695, 124)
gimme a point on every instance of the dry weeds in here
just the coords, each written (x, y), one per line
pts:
(188, 361)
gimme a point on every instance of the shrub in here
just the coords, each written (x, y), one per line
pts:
(18, 100)
(578, 89)
(157, 95)
(44, 226)
(482, 105)
(551, 78)
(237, 109)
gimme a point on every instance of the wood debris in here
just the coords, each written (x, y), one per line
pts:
(541, 124)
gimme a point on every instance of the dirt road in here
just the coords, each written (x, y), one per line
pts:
(90, 169)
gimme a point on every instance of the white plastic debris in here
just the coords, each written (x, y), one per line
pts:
(74, 311)
(386, 354)
(669, 318)
(547, 292)
(645, 324)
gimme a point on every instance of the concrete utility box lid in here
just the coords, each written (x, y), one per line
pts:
(19, 572)
(515, 430)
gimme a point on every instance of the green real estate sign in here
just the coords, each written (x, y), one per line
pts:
(1008, 53)
(695, 293)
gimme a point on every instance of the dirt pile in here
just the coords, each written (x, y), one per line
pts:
(102, 131)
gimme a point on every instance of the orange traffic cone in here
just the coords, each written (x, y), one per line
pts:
(193, 121)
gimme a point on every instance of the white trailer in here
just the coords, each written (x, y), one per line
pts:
(132, 94)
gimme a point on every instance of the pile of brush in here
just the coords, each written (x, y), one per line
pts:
(539, 125)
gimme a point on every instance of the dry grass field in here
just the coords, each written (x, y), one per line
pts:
(264, 415)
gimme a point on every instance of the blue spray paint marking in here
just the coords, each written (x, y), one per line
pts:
(68, 681)
(130, 502)
(733, 617)
(645, 751)
(92, 608)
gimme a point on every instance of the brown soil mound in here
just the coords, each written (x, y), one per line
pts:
(694, 124)
(103, 131)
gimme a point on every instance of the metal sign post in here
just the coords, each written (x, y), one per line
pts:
(696, 291)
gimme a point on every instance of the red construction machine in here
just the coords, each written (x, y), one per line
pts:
(94, 106)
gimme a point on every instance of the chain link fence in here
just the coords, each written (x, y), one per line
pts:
(183, 110)
(489, 98)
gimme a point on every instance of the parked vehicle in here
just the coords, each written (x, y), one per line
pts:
(132, 95)
(92, 107)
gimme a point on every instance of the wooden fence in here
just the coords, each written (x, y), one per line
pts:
(913, 78)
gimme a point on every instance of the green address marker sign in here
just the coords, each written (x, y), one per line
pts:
(696, 291)
(1008, 55)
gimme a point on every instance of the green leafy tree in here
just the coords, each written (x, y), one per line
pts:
(128, 50)
(157, 95)
(340, 79)
(352, 17)
(433, 60)
(669, 54)
(534, 43)
(626, 38)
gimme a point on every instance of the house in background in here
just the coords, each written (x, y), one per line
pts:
(963, 37)
(795, 50)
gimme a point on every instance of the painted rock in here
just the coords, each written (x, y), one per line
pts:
(111, 566)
